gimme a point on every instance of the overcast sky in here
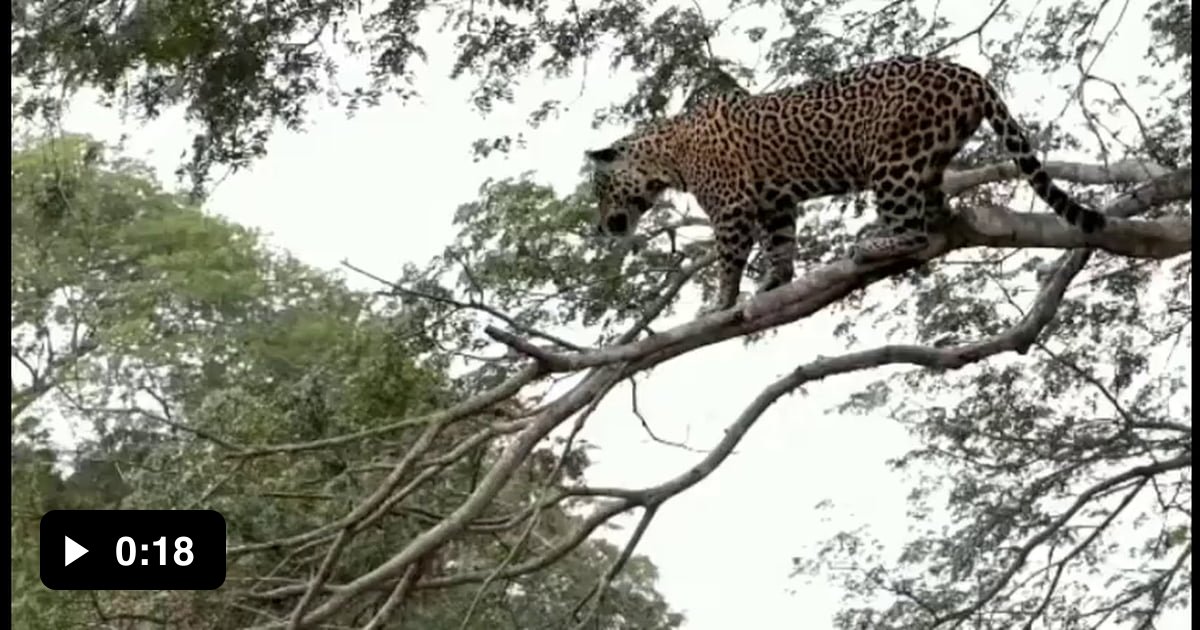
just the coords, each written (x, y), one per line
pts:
(380, 190)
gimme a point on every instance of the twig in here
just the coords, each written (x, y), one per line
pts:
(1088, 377)
(978, 30)
(472, 304)
(646, 425)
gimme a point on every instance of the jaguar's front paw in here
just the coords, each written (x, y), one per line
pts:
(771, 283)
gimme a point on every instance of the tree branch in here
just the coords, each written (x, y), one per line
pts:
(604, 367)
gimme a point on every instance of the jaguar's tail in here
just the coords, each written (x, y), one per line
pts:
(996, 113)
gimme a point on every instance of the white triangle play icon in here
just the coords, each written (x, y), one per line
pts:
(73, 551)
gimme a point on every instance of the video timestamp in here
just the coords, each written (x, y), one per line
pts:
(133, 549)
(127, 551)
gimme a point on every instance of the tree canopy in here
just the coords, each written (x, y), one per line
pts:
(403, 456)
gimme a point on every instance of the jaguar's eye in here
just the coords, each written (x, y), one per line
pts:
(640, 204)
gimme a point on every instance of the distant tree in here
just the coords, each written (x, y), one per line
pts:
(205, 366)
(1052, 486)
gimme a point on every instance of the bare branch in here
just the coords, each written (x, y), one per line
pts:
(600, 516)
(335, 550)
(533, 517)
(1092, 380)
(395, 598)
(49, 376)
(596, 596)
(996, 227)
(470, 304)
(633, 393)
(161, 419)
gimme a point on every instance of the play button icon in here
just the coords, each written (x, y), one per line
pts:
(132, 550)
(72, 551)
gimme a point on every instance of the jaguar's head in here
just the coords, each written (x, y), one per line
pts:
(624, 188)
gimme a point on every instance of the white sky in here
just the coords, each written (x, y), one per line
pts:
(380, 190)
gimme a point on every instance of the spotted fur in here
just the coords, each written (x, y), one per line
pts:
(890, 127)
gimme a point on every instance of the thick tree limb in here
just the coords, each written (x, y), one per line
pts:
(996, 227)
(1128, 172)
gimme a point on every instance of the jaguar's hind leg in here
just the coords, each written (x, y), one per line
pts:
(900, 229)
(937, 212)
(777, 238)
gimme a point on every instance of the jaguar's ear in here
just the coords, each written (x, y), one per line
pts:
(603, 157)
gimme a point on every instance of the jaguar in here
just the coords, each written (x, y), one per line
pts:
(890, 127)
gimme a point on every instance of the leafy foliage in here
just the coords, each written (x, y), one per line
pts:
(184, 343)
